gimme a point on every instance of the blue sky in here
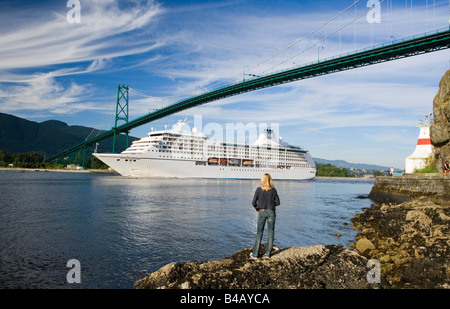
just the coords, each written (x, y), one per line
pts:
(169, 50)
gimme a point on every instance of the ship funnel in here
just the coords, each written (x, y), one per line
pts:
(267, 138)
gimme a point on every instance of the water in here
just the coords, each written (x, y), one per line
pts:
(121, 229)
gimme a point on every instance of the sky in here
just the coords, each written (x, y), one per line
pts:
(58, 62)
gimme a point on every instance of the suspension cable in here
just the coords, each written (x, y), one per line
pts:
(323, 39)
(279, 52)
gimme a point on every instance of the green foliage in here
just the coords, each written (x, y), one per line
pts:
(99, 165)
(328, 170)
(426, 170)
(378, 173)
(26, 160)
(430, 166)
(36, 160)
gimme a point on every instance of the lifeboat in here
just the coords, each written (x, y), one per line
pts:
(235, 162)
(247, 162)
(212, 161)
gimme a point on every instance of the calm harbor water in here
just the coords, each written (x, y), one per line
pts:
(120, 229)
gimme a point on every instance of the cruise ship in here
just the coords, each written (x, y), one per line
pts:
(190, 154)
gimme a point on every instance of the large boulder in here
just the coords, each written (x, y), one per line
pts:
(363, 245)
(440, 128)
(318, 267)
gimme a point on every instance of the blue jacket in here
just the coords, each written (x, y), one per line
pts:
(265, 199)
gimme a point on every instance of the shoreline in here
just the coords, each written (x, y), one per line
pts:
(346, 178)
(23, 169)
(101, 171)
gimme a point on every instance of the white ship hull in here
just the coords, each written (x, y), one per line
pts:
(136, 166)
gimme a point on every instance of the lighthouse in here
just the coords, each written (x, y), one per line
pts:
(424, 148)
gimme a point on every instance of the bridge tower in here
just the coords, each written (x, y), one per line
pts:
(121, 112)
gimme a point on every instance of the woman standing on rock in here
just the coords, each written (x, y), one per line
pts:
(265, 200)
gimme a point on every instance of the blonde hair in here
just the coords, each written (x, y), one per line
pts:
(266, 182)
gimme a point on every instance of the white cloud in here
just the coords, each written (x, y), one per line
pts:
(51, 40)
(31, 51)
(44, 93)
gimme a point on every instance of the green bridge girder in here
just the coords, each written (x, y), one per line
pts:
(416, 45)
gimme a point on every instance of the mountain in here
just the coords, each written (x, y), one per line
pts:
(345, 164)
(18, 135)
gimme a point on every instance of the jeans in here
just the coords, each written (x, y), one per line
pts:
(270, 216)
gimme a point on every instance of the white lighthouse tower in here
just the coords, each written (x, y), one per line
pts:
(424, 148)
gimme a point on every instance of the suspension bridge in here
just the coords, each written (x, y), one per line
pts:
(427, 42)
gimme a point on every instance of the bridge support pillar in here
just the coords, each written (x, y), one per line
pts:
(121, 112)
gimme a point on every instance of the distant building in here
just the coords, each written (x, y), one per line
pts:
(73, 167)
(424, 148)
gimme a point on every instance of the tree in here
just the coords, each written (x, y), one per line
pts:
(328, 170)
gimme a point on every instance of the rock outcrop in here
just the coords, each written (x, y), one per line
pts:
(317, 267)
(440, 128)
(411, 241)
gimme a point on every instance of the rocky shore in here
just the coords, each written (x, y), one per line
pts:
(313, 267)
(411, 240)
